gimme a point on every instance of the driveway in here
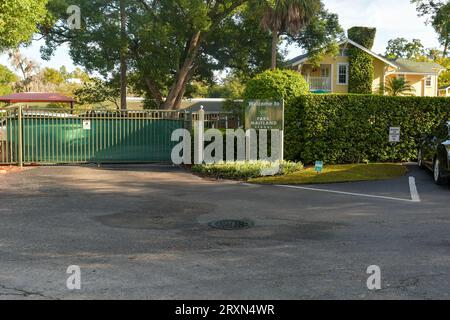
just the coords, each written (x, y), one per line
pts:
(141, 232)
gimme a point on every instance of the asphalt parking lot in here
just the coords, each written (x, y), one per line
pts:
(141, 232)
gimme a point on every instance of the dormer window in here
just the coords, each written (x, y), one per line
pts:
(343, 52)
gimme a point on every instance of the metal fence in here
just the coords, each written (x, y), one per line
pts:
(56, 136)
(30, 135)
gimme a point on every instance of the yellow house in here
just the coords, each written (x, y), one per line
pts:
(332, 75)
(444, 91)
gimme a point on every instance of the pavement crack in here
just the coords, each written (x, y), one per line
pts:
(22, 293)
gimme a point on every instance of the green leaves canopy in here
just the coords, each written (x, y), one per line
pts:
(438, 12)
(402, 48)
(169, 43)
(276, 85)
(7, 78)
(18, 21)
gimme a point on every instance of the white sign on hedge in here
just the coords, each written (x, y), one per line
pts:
(394, 134)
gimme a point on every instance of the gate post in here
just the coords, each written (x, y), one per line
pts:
(200, 136)
(20, 137)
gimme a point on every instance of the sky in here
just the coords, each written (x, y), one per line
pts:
(392, 18)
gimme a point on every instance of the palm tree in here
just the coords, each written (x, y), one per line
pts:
(287, 16)
(398, 87)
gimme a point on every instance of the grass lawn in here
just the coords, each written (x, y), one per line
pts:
(339, 173)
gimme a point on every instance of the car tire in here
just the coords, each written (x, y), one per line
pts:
(439, 179)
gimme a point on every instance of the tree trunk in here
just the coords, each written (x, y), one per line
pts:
(123, 57)
(155, 91)
(274, 49)
(445, 48)
(173, 101)
(180, 96)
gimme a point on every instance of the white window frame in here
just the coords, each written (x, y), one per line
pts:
(338, 74)
(429, 78)
(324, 68)
(343, 52)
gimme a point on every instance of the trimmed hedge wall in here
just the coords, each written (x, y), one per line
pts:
(361, 70)
(355, 128)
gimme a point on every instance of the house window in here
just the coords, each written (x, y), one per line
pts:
(325, 72)
(343, 73)
(343, 52)
(428, 81)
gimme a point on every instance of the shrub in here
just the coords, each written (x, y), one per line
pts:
(244, 170)
(276, 85)
(363, 36)
(361, 70)
(355, 128)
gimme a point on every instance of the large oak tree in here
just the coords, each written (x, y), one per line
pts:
(169, 43)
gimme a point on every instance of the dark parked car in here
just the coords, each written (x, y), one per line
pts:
(434, 153)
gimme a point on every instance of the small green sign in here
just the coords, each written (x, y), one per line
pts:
(267, 115)
(319, 166)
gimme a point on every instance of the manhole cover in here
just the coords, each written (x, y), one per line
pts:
(232, 224)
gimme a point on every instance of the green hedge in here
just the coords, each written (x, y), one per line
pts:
(361, 70)
(245, 170)
(276, 85)
(355, 128)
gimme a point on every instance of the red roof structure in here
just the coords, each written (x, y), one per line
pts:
(36, 97)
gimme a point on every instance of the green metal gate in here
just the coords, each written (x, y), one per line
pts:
(57, 137)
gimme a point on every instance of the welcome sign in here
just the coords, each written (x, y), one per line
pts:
(268, 115)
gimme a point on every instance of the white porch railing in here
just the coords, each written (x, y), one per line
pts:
(319, 83)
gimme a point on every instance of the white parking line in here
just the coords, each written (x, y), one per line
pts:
(412, 184)
(413, 189)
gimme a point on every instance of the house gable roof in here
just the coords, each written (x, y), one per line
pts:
(400, 65)
(300, 59)
(373, 54)
(410, 66)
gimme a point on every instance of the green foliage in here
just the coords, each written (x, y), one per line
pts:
(355, 128)
(402, 48)
(361, 71)
(244, 170)
(7, 79)
(162, 42)
(444, 78)
(438, 12)
(320, 37)
(98, 92)
(166, 40)
(52, 76)
(276, 85)
(361, 63)
(363, 36)
(287, 17)
(18, 21)
(398, 87)
(230, 88)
